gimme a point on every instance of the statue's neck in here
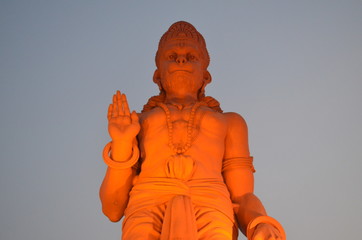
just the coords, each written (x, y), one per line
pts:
(181, 101)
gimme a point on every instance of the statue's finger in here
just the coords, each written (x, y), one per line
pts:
(114, 110)
(119, 104)
(278, 235)
(125, 105)
(110, 110)
(258, 236)
(115, 106)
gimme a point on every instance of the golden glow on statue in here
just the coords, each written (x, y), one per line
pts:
(181, 169)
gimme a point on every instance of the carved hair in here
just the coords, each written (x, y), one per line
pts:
(183, 30)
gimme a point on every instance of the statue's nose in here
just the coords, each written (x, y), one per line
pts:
(181, 59)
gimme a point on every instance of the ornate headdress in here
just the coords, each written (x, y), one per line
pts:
(183, 30)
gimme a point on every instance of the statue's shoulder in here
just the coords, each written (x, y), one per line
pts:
(150, 114)
(234, 120)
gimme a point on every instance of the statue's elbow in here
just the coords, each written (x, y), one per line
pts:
(113, 216)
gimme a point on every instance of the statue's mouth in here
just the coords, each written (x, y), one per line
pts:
(181, 71)
(180, 68)
(188, 70)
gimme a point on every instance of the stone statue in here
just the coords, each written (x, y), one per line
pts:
(181, 169)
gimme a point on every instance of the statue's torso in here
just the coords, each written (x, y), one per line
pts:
(207, 141)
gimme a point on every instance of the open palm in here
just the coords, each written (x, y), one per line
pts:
(122, 125)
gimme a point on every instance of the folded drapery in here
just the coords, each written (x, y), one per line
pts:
(180, 198)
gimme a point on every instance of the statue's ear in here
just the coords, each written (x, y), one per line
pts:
(157, 78)
(207, 77)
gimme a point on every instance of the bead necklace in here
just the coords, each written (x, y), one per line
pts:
(190, 126)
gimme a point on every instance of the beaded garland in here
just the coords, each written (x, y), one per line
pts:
(190, 126)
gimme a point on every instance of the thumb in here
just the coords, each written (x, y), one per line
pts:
(134, 117)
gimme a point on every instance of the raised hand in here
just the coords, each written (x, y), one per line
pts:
(122, 125)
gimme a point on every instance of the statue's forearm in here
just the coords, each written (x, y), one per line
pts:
(114, 192)
(249, 207)
(240, 182)
(117, 183)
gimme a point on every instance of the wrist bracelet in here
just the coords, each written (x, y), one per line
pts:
(120, 165)
(264, 219)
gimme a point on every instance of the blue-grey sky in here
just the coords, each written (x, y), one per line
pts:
(292, 69)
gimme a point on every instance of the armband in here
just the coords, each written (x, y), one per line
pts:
(238, 162)
(264, 219)
(120, 165)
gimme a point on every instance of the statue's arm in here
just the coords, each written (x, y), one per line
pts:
(123, 128)
(114, 192)
(240, 180)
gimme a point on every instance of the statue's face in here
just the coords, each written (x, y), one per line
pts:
(181, 67)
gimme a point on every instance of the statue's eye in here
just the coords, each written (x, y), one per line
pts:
(172, 57)
(191, 57)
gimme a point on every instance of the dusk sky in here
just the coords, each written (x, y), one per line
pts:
(292, 69)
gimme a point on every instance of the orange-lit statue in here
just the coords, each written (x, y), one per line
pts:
(181, 169)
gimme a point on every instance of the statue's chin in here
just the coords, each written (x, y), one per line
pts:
(182, 84)
(180, 91)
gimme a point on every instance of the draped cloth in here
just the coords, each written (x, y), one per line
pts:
(180, 197)
(179, 221)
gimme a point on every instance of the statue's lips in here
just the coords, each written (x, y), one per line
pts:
(180, 70)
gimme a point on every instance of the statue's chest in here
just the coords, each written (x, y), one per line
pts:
(180, 123)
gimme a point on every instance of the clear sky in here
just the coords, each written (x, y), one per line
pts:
(292, 69)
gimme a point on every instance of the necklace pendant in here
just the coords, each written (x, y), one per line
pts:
(180, 166)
